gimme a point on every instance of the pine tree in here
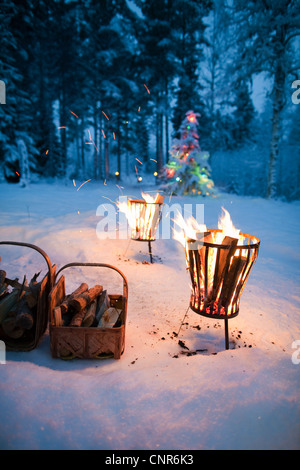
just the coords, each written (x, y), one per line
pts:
(268, 33)
(157, 62)
(188, 33)
(188, 171)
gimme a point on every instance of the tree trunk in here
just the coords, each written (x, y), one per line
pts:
(82, 146)
(100, 149)
(119, 149)
(106, 147)
(278, 104)
(159, 141)
(96, 170)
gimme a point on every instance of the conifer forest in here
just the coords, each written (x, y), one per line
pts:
(88, 87)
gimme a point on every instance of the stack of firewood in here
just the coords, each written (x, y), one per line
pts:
(86, 307)
(223, 269)
(18, 304)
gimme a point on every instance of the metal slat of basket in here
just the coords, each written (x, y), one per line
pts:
(69, 342)
(31, 338)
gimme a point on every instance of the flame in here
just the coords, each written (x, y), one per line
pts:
(226, 225)
(142, 218)
(189, 229)
(148, 198)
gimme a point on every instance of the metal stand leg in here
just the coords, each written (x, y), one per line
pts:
(226, 334)
(150, 251)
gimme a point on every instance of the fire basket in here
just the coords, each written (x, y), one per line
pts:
(219, 267)
(144, 216)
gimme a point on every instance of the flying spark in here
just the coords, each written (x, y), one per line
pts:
(139, 161)
(105, 115)
(73, 114)
(147, 88)
(84, 183)
(103, 133)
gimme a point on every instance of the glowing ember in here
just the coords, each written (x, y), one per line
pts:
(83, 184)
(147, 88)
(73, 114)
(105, 115)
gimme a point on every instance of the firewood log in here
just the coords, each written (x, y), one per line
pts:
(103, 303)
(66, 303)
(24, 317)
(58, 321)
(2, 277)
(8, 303)
(89, 317)
(230, 282)
(109, 318)
(159, 199)
(17, 285)
(81, 301)
(77, 319)
(224, 259)
(9, 326)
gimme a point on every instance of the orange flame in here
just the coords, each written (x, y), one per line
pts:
(142, 218)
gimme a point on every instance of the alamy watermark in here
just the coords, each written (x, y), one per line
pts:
(2, 92)
(296, 94)
(116, 224)
(296, 354)
(2, 352)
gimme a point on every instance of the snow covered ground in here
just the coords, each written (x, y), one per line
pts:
(155, 397)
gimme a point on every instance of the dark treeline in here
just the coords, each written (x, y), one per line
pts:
(92, 85)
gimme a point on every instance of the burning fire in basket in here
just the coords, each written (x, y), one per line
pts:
(219, 262)
(143, 217)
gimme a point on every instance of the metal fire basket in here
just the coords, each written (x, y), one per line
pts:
(219, 273)
(146, 217)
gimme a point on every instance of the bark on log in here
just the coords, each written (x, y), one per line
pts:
(9, 326)
(57, 316)
(24, 317)
(81, 301)
(89, 317)
(66, 303)
(78, 318)
(2, 277)
(232, 278)
(225, 255)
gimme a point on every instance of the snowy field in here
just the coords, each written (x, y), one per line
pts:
(156, 397)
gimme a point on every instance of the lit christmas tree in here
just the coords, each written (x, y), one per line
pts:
(188, 171)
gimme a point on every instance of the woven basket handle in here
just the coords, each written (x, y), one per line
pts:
(36, 248)
(99, 265)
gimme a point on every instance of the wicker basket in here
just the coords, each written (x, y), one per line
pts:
(68, 342)
(30, 339)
